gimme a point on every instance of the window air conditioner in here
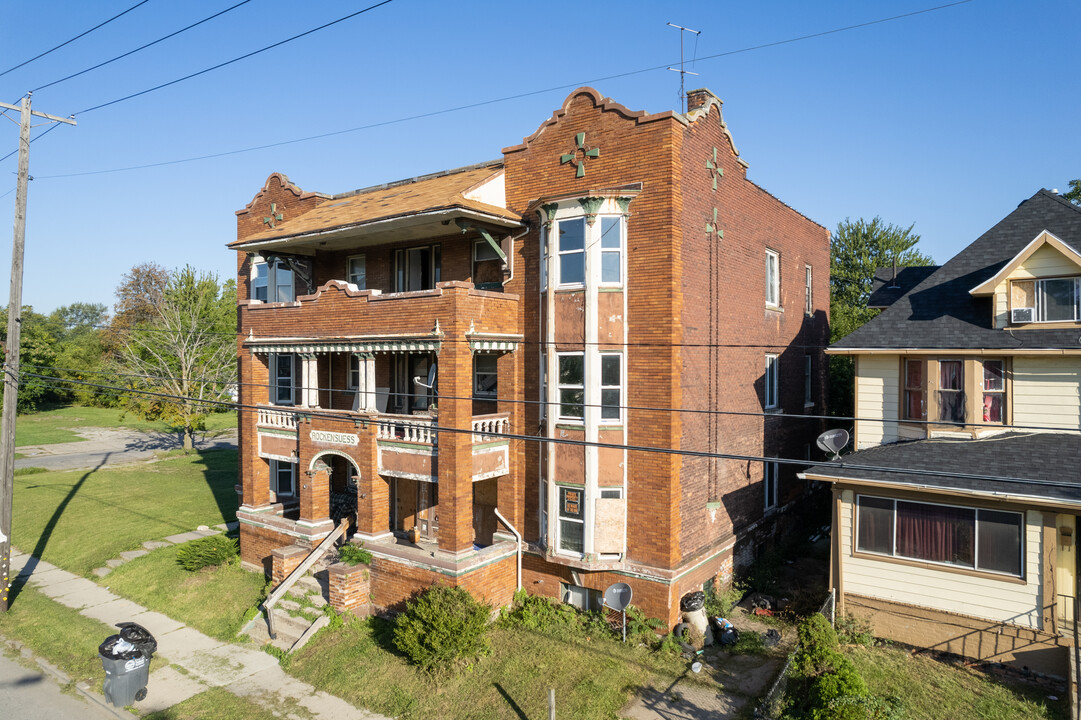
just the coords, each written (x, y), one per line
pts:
(1022, 315)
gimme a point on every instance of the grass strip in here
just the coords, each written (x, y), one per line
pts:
(213, 600)
(215, 704)
(57, 425)
(56, 633)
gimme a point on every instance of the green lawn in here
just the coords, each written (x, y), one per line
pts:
(79, 519)
(56, 425)
(56, 633)
(215, 704)
(592, 678)
(930, 689)
(212, 600)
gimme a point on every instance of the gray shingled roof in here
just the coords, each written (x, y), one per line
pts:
(886, 289)
(1034, 459)
(939, 313)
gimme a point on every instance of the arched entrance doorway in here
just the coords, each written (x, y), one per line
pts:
(342, 488)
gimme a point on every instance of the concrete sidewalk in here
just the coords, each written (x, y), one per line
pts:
(188, 662)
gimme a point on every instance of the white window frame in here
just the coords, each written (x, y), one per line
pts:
(560, 387)
(260, 280)
(353, 375)
(277, 468)
(773, 279)
(608, 250)
(770, 485)
(808, 300)
(560, 519)
(478, 373)
(975, 537)
(771, 383)
(617, 387)
(276, 378)
(544, 258)
(351, 276)
(544, 399)
(560, 252)
(808, 381)
(1041, 307)
(543, 511)
(403, 265)
(265, 275)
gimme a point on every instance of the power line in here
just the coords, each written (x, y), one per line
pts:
(352, 420)
(234, 60)
(68, 42)
(517, 401)
(483, 103)
(142, 47)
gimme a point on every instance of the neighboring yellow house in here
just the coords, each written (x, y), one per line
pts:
(954, 521)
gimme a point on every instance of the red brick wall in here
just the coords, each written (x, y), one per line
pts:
(392, 583)
(350, 587)
(257, 545)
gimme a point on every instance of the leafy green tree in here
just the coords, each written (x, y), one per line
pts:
(37, 356)
(1074, 193)
(80, 353)
(182, 344)
(857, 249)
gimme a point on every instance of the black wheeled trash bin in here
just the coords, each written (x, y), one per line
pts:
(126, 659)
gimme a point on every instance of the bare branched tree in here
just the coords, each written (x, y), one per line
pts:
(186, 348)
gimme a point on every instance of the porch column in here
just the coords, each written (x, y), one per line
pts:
(309, 381)
(456, 448)
(364, 401)
(314, 493)
(373, 491)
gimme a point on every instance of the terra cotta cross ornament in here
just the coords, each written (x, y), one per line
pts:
(579, 154)
(275, 216)
(714, 168)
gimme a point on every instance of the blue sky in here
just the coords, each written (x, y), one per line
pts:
(945, 119)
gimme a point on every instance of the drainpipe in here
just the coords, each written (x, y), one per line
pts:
(510, 260)
(517, 537)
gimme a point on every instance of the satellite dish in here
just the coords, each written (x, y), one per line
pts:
(617, 596)
(833, 441)
(431, 379)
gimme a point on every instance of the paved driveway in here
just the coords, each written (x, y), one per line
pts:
(105, 446)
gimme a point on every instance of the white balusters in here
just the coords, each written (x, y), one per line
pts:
(277, 419)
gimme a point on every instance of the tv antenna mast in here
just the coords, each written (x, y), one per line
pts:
(682, 71)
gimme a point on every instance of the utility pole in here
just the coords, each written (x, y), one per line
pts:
(11, 360)
(681, 71)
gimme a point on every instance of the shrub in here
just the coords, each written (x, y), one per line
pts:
(441, 626)
(535, 612)
(830, 693)
(818, 646)
(720, 604)
(352, 554)
(854, 630)
(212, 550)
(642, 629)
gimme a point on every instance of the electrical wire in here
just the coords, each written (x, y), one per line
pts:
(376, 421)
(773, 416)
(68, 42)
(141, 47)
(234, 60)
(483, 103)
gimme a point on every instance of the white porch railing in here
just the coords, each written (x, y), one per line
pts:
(277, 419)
(487, 427)
(411, 428)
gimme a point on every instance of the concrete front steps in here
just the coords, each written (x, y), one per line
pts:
(298, 616)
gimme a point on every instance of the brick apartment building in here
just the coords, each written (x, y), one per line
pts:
(410, 346)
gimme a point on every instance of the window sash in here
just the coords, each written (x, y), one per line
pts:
(571, 234)
(417, 268)
(1058, 299)
(259, 282)
(808, 299)
(356, 271)
(283, 372)
(994, 391)
(951, 394)
(485, 376)
(773, 284)
(948, 535)
(611, 250)
(282, 477)
(769, 479)
(914, 407)
(611, 386)
(572, 519)
(571, 386)
(771, 382)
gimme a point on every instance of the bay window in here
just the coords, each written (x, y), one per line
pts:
(571, 386)
(572, 251)
(950, 535)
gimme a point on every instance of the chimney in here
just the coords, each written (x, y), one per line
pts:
(699, 98)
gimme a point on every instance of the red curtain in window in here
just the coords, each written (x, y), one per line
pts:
(936, 533)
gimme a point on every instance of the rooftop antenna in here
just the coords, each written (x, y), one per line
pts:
(681, 71)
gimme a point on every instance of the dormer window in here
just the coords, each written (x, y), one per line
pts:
(1045, 300)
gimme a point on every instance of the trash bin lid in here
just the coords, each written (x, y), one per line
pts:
(126, 651)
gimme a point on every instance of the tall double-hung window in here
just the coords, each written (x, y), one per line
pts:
(572, 386)
(283, 478)
(282, 371)
(773, 279)
(611, 250)
(602, 242)
(951, 391)
(572, 251)
(272, 281)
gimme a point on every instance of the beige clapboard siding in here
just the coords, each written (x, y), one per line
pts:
(1045, 262)
(878, 390)
(1047, 391)
(982, 597)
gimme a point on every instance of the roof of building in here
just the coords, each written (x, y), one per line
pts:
(1039, 465)
(886, 287)
(939, 312)
(425, 194)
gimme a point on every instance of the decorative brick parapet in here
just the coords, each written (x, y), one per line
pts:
(350, 588)
(285, 560)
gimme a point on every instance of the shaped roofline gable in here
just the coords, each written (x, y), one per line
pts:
(1044, 238)
(286, 185)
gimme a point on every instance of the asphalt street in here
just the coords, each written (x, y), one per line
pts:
(102, 446)
(29, 695)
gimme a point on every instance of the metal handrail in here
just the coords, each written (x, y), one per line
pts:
(277, 593)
